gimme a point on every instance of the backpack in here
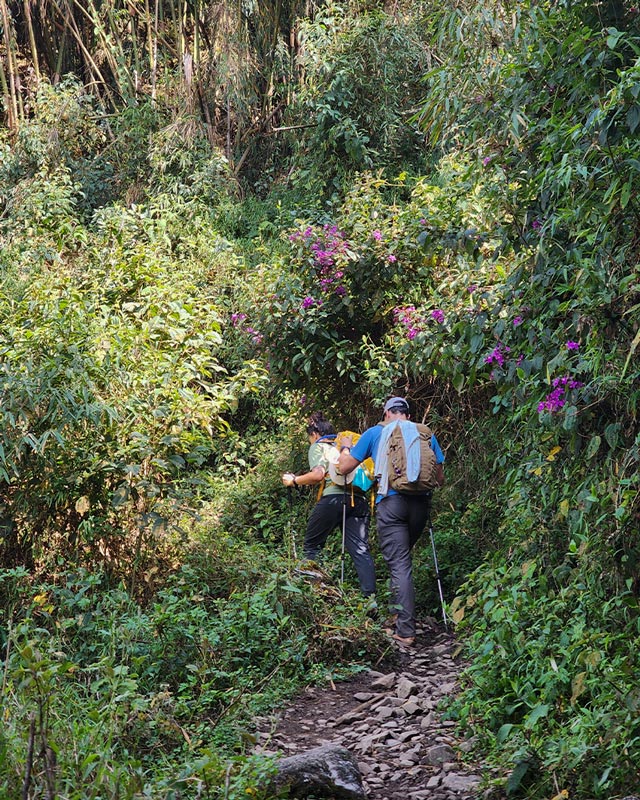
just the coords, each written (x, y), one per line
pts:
(362, 477)
(426, 480)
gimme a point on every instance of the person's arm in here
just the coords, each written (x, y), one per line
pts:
(347, 463)
(318, 467)
(349, 459)
(311, 478)
(439, 459)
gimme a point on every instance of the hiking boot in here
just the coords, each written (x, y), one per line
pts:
(405, 641)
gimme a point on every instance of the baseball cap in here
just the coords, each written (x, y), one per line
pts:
(397, 404)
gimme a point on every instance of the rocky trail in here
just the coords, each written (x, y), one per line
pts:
(387, 719)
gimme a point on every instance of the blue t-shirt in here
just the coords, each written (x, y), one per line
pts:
(367, 447)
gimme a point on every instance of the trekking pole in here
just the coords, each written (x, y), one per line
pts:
(290, 534)
(344, 530)
(435, 561)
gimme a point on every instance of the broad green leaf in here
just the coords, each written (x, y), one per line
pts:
(503, 732)
(516, 776)
(539, 712)
(593, 446)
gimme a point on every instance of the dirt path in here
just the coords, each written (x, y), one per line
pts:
(387, 718)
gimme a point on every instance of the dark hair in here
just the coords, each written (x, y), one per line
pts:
(318, 424)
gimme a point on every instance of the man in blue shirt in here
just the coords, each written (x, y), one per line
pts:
(401, 518)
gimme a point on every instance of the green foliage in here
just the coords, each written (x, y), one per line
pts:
(162, 338)
(361, 80)
(112, 378)
(67, 136)
(552, 650)
(155, 699)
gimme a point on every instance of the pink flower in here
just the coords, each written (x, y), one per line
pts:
(573, 345)
(517, 321)
(391, 258)
(486, 160)
(557, 398)
(377, 235)
(497, 354)
(438, 315)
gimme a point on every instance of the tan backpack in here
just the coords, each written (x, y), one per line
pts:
(397, 461)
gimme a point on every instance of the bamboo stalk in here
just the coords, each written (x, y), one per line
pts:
(93, 67)
(94, 18)
(32, 38)
(152, 44)
(133, 32)
(6, 96)
(196, 35)
(11, 79)
(61, 51)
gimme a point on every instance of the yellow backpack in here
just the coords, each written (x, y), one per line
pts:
(362, 477)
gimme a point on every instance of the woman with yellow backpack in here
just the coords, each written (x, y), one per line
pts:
(339, 505)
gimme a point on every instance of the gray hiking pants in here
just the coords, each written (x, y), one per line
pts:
(326, 516)
(401, 521)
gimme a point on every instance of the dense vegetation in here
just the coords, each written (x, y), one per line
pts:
(217, 218)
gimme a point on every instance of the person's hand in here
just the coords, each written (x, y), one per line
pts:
(288, 479)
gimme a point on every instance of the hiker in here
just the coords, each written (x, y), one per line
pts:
(329, 512)
(401, 518)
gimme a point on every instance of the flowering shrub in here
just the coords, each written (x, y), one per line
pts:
(557, 398)
(498, 354)
(327, 252)
(409, 317)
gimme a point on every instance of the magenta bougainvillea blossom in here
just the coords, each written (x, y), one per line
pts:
(413, 320)
(410, 317)
(401, 313)
(497, 355)
(573, 345)
(377, 235)
(256, 336)
(310, 302)
(391, 258)
(328, 248)
(307, 233)
(557, 397)
(517, 321)
(237, 318)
